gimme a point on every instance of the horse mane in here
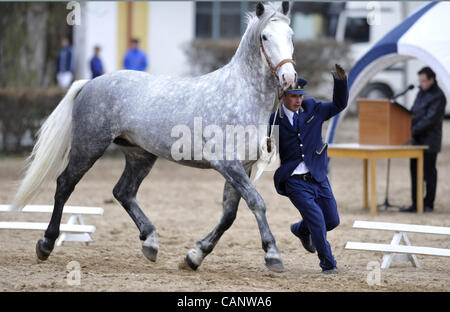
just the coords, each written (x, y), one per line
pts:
(271, 10)
(255, 24)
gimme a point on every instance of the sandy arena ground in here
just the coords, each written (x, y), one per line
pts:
(185, 204)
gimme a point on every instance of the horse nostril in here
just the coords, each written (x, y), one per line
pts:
(282, 76)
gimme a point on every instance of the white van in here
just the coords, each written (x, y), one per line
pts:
(365, 23)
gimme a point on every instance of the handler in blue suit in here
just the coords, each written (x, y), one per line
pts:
(302, 175)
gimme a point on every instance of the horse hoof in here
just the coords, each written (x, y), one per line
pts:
(191, 264)
(150, 252)
(150, 247)
(194, 258)
(274, 264)
(43, 250)
(183, 265)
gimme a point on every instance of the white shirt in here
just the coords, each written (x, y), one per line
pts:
(301, 168)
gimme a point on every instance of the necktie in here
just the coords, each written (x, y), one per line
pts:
(295, 121)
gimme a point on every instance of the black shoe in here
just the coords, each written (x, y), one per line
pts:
(306, 240)
(330, 271)
(428, 209)
(411, 208)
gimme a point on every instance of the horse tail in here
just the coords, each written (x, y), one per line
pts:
(50, 154)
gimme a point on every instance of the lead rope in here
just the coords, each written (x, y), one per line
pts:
(278, 95)
(268, 146)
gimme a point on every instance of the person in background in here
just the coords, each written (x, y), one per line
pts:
(135, 59)
(96, 63)
(427, 115)
(65, 64)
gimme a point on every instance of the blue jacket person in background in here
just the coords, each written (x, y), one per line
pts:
(135, 59)
(302, 175)
(96, 63)
(65, 64)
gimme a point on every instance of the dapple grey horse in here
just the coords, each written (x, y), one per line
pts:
(138, 111)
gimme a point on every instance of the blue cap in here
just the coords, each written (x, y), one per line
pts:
(298, 88)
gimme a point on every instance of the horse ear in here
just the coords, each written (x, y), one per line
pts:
(259, 9)
(285, 7)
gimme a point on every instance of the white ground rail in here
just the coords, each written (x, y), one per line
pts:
(396, 251)
(75, 230)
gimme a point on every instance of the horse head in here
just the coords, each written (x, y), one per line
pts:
(274, 37)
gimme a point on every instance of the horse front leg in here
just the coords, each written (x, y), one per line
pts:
(203, 247)
(235, 174)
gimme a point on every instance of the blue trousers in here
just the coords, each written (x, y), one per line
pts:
(317, 206)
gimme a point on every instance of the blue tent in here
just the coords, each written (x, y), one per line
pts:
(424, 35)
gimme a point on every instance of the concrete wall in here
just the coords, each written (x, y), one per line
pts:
(99, 27)
(171, 24)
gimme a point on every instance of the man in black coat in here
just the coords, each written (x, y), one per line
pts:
(428, 113)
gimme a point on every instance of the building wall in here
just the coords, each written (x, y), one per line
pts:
(172, 24)
(99, 21)
(169, 25)
(132, 20)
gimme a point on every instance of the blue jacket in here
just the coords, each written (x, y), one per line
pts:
(135, 60)
(313, 150)
(96, 67)
(65, 60)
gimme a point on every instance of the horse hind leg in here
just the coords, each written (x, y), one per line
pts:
(138, 165)
(81, 159)
(234, 172)
(203, 247)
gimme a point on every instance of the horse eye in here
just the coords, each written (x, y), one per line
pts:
(264, 37)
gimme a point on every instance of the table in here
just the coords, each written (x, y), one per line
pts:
(369, 154)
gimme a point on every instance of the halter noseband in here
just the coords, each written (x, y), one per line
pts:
(274, 69)
(278, 91)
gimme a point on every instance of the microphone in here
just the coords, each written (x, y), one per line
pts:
(410, 87)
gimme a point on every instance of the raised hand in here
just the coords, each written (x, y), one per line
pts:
(339, 73)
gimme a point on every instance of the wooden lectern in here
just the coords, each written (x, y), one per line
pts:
(384, 128)
(382, 122)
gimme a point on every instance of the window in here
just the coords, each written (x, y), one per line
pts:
(203, 19)
(230, 19)
(312, 20)
(219, 19)
(309, 20)
(357, 29)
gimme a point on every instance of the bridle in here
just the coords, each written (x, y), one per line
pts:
(269, 63)
(278, 91)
